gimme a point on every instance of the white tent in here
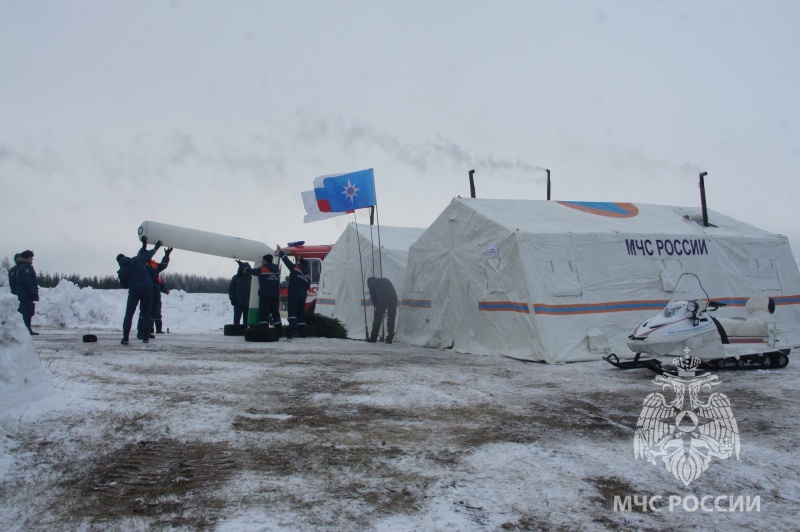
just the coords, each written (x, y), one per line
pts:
(343, 290)
(567, 281)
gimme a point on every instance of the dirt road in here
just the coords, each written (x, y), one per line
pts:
(208, 431)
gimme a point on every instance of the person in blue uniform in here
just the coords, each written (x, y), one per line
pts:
(384, 302)
(27, 288)
(133, 274)
(269, 290)
(299, 281)
(154, 269)
(239, 294)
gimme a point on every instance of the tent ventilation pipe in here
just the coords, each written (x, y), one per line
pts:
(471, 184)
(703, 198)
(548, 184)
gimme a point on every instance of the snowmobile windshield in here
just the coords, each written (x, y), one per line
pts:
(673, 308)
(688, 288)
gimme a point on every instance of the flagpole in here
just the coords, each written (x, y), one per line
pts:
(361, 270)
(378, 219)
(372, 211)
(372, 246)
(380, 257)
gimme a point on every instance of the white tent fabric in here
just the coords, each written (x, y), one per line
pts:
(568, 281)
(343, 290)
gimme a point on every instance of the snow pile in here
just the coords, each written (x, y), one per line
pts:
(66, 305)
(26, 388)
(22, 378)
(71, 307)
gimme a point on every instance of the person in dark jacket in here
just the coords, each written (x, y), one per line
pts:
(384, 300)
(299, 282)
(27, 287)
(269, 290)
(162, 289)
(154, 269)
(12, 275)
(140, 291)
(239, 294)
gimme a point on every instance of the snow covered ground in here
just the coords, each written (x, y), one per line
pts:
(199, 430)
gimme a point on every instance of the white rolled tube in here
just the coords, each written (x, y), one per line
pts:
(174, 236)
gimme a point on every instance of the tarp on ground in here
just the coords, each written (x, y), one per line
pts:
(559, 281)
(343, 292)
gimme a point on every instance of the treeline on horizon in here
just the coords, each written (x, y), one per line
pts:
(195, 284)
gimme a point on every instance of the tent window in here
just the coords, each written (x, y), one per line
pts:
(562, 278)
(327, 288)
(764, 274)
(671, 271)
(416, 281)
(494, 279)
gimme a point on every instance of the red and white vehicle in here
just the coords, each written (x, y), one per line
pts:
(314, 255)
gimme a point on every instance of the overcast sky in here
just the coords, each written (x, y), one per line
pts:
(217, 115)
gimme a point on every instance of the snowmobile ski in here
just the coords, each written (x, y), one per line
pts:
(636, 363)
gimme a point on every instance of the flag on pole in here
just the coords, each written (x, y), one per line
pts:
(313, 214)
(337, 194)
(345, 192)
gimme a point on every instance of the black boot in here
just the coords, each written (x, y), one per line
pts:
(159, 326)
(372, 338)
(124, 338)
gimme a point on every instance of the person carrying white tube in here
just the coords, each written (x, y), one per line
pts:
(269, 286)
(299, 281)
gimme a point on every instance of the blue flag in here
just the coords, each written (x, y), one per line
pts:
(346, 192)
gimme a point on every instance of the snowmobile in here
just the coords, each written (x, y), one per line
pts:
(685, 327)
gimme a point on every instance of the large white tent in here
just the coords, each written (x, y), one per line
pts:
(381, 252)
(568, 281)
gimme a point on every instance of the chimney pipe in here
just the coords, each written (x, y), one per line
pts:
(548, 184)
(471, 184)
(703, 198)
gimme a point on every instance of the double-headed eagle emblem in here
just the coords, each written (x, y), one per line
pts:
(686, 436)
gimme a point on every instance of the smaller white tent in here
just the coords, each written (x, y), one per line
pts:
(561, 281)
(381, 252)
